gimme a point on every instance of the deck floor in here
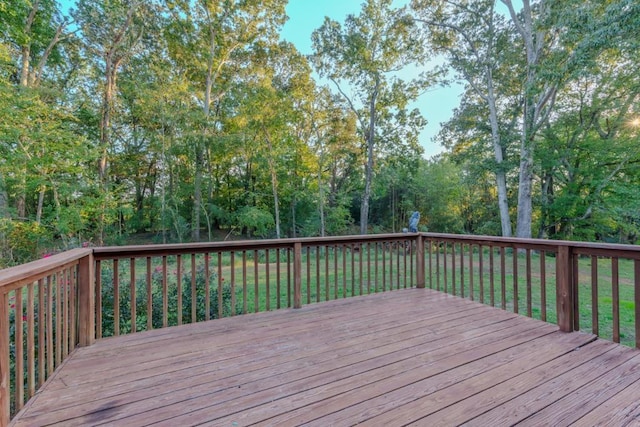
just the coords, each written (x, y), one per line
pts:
(408, 357)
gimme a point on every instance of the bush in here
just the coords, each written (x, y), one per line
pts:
(156, 313)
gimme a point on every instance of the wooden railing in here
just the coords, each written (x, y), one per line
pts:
(578, 285)
(45, 312)
(148, 287)
(50, 306)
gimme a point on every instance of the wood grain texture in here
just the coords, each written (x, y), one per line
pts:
(408, 356)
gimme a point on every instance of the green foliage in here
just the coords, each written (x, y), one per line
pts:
(216, 126)
(156, 313)
(23, 241)
(257, 221)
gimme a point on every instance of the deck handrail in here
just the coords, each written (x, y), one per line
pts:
(50, 306)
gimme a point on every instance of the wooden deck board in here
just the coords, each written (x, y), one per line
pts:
(396, 358)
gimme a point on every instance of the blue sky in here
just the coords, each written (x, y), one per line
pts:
(306, 15)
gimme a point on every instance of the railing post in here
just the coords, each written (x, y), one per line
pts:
(420, 273)
(86, 301)
(297, 275)
(564, 288)
(4, 360)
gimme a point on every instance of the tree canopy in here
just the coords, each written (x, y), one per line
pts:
(189, 120)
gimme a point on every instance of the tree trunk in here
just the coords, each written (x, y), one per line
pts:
(105, 119)
(199, 150)
(294, 232)
(364, 209)
(197, 193)
(40, 205)
(533, 42)
(523, 227)
(4, 199)
(26, 48)
(274, 183)
(24, 68)
(321, 204)
(501, 178)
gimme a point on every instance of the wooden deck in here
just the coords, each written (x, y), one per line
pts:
(408, 357)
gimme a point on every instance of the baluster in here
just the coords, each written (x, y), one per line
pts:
(42, 320)
(317, 273)
(278, 278)
(384, 266)
(481, 272)
(194, 290)
(335, 272)
(220, 287)
(50, 308)
(344, 271)
(179, 286)
(503, 278)
(353, 270)
(615, 295)
(65, 314)
(492, 284)
(266, 271)
(19, 351)
(165, 293)
(514, 259)
(132, 293)
(529, 310)
(636, 289)
(327, 295)
(288, 277)
(98, 299)
(376, 265)
(244, 283)
(116, 299)
(543, 286)
(256, 290)
(149, 283)
(149, 295)
(471, 296)
(297, 275)
(207, 286)
(594, 295)
(232, 260)
(31, 345)
(308, 275)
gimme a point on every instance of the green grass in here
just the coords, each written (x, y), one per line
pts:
(604, 287)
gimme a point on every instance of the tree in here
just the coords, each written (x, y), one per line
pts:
(469, 35)
(559, 41)
(364, 55)
(589, 154)
(212, 42)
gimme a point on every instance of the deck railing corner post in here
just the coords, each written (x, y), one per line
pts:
(420, 267)
(86, 301)
(565, 288)
(297, 275)
(4, 361)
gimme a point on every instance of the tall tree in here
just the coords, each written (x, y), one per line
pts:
(469, 35)
(558, 40)
(362, 58)
(212, 41)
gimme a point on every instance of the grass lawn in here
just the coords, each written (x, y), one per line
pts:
(504, 295)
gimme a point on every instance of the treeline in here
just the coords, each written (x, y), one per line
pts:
(191, 120)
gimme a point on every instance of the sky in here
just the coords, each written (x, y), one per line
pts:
(436, 105)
